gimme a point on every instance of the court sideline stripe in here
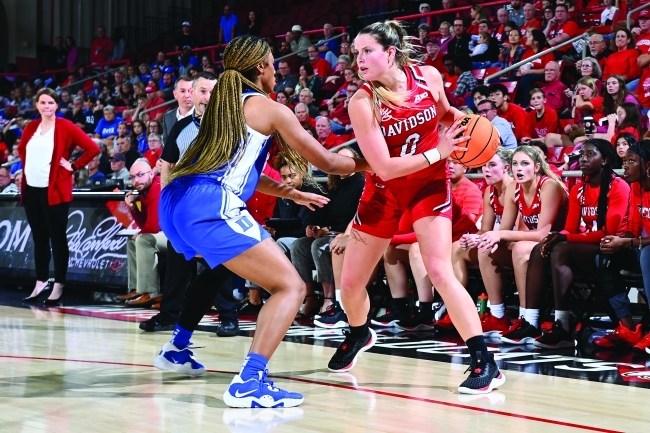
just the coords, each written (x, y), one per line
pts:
(351, 388)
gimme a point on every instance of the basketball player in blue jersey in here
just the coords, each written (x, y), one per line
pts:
(203, 211)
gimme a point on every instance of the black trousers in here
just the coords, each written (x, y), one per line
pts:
(214, 285)
(49, 225)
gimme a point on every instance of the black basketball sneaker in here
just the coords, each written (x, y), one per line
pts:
(483, 377)
(346, 355)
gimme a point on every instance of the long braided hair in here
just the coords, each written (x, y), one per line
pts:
(642, 148)
(223, 127)
(606, 175)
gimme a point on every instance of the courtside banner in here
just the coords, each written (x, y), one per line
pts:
(97, 251)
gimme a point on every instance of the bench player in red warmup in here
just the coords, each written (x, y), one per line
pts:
(395, 116)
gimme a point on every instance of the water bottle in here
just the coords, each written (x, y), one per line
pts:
(481, 304)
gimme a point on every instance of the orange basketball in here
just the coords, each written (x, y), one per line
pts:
(482, 145)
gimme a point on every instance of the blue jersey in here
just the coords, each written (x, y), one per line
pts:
(206, 213)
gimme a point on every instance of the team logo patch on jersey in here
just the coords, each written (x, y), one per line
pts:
(386, 114)
(421, 96)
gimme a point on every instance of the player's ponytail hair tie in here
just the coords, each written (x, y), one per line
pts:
(230, 69)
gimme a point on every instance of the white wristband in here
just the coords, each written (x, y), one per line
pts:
(432, 155)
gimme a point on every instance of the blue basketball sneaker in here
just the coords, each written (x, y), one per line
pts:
(176, 360)
(259, 393)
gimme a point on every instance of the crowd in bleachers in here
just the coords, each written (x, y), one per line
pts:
(564, 104)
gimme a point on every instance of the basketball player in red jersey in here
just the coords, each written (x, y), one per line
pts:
(395, 116)
(538, 198)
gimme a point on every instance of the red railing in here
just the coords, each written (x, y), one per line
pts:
(446, 11)
(53, 72)
(313, 32)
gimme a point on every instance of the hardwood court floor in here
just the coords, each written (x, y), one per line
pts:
(71, 373)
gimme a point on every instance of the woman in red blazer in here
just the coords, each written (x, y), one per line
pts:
(46, 188)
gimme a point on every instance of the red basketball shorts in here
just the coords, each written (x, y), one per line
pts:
(381, 208)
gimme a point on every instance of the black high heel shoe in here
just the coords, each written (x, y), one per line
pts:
(54, 302)
(34, 299)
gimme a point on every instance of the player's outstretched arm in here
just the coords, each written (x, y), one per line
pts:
(271, 187)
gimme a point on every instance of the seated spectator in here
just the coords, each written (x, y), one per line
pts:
(118, 166)
(423, 35)
(6, 184)
(499, 31)
(339, 114)
(308, 79)
(445, 36)
(154, 101)
(328, 47)
(608, 15)
(299, 42)
(289, 210)
(93, 170)
(626, 119)
(326, 137)
(516, 13)
(282, 97)
(482, 44)
(600, 203)
(554, 89)
(512, 52)
(139, 135)
(476, 14)
(614, 95)
(560, 29)
(586, 102)
(312, 251)
(154, 127)
(538, 199)
(341, 93)
(286, 81)
(307, 97)
(464, 190)
(145, 73)
(185, 61)
(542, 119)
(511, 112)
(130, 153)
(449, 74)
(488, 109)
(155, 149)
(589, 67)
(107, 127)
(530, 22)
(433, 56)
(533, 71)
(627, 251)
(428, 20)
(623, 142)
(143, 249)
(623, 60)
(132, 75)
(302, 113)
(461, 40)
(76, 113)
(479, 93)
(18, 178)
(333, 82)
(466, 80)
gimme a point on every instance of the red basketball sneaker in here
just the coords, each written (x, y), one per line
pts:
(445, 323)
(493, 327)
(620, 337)
(643, 345)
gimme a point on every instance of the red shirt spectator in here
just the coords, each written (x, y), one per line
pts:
(147, 216)
(325, 135)
(154, 101)
(102, 47)
(322, 67)
(153, 156)
(541, 62)
(561, 25)
(555, 96)
(261, 206)
(540, 126)
(464, 190)
(532, 24)
(623, 63)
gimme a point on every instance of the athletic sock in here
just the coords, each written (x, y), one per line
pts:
(253, 364)
(498, 310)
(401, 304)
(522, 312)
(477, 348)
(426, 307)
(532, 316)
(359, 332)
(564, 317)
(181, 337)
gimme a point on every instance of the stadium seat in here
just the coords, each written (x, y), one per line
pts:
(479, 74)
(512, 88)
